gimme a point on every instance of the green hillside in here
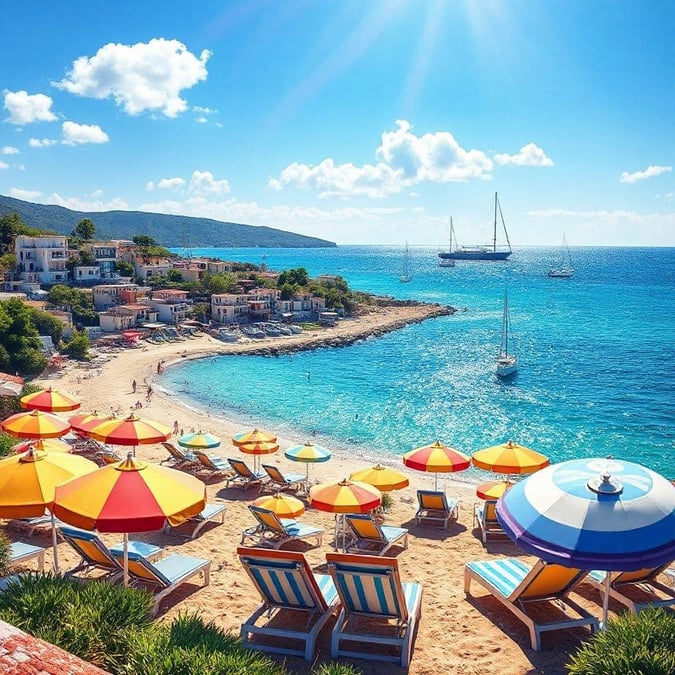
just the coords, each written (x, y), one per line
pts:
(169, 231)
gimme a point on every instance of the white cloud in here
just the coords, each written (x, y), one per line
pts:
(78, 134)
(649, 172)
(204, 111)
(41, 142)
(202, 183)
(170, 183)
(142, 77)
(150, 186)
(201, 120)
(529, 155)
(25, 195)
(25, 108)
(10, 150)
(4, 165)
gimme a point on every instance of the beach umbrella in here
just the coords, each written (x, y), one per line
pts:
(130, 431)
(255, 436)
(593, 514)
(309, 454)
(436, 458)
(10, 385)
(258, 448)
(509, 458)
(49, 400)
(35, 424)
(40, 445)
(82, 422)
(283, 505)
(28, 481)
(384, 478)
(344, 497)
(493, 489)
(199, 440)
(129, 496)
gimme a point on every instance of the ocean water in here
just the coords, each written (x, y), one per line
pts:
(596, 358)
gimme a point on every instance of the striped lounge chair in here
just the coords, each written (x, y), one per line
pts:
(370, 588)
(518, 585)
(287, 587)
(369, 536)
(275, 532)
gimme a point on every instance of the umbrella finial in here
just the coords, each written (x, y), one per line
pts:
(606, 484)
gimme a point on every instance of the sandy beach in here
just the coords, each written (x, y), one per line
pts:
(456, 635)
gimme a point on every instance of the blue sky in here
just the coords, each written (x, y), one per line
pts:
(358, 121)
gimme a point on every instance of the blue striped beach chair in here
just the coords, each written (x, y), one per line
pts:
(517, 585)
(275, 532)
(288, 587)
(636, 590)
(370, 588)
(369, 536)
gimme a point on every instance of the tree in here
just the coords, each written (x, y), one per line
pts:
(78, 346)
(298, 276)
(48, 324)
(20, 347)
(174, 276)
(143, 240)
(220, 283)
(85, 229)
(124, 268)
(79, 303)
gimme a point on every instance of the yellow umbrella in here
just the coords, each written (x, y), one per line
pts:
(255, 436)
(35, 424)
(283, 505)
(28, 482)
(494, 489)
(257, 448)
(131, 430)
(43, 445)
(509, 458)
(383, 478)
(49, 400)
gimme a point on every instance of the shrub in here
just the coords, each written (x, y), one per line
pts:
(387, 501)
(633, 644)
(336, 669)
(4, 554)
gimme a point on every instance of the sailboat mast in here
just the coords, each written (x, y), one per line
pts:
(494, 228)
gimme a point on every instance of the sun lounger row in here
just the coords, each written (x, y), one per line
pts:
(362, 587)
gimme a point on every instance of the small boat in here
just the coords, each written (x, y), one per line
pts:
(481, 251)
(448, 262)
(565, 270)
(406, 273)
(507, 364)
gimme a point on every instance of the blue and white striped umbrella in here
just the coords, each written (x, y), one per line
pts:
(597, 514)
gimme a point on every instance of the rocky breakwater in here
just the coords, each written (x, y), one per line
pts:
(369, 322)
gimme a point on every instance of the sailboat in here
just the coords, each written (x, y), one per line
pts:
(566, 270)
(507, 364)
(482, 251)
(406, 273)
(448, 262)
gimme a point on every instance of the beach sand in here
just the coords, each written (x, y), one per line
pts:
(456, 635)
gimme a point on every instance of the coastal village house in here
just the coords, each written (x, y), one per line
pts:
(41, 260)
(195, 269)
(105, 254)
(123, 317)
(107, 295)
(170, 304)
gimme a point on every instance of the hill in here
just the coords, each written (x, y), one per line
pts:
(167, 230)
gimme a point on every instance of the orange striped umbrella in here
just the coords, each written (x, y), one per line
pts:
(35, 424)
(283, 505)
(255, 436)
(509, 458)
(40, 445)
(345, 497)
(49, 400)
(85, 421)
(131, 430)
(257, 448)
(383, 478)
(436, 458)
(494, 489)
(129, 496)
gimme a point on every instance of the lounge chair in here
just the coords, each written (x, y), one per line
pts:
(21, 553)
(176, 455)
(95, 555)
(31, 525)
(370, 537)
(275, 532)
(435, 506)
(210, 513)
(485, 517)
(214, 464)
(516, 585)
(164, 575)
(243, 476)
(643, 580)
(288, 587)
(280, 481)
(370, 588)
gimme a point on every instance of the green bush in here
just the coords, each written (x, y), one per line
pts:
(4, 554)
(94, 620)
(633, 644)
(335, 669)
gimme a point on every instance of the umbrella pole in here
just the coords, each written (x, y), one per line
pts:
(55, 544)
(605, 602)
(126, 560)
(436, 484)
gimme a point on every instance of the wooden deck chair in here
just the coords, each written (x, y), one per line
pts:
(95, 555)
(211, 513)
(435, 506)
(275, 532)
(288, 587)
(517, 585)
(243, 476)
(485, 516)
(621, 583)
(370, 588)
(176, 455)
(22, 553)
(370, 537)
(280, 481)
(166, 575)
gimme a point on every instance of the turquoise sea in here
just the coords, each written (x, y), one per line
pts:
(596, 358)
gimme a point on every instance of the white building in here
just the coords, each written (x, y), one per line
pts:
(42, 260)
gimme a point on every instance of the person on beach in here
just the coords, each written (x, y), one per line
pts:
(133, 387)
(175, 428)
